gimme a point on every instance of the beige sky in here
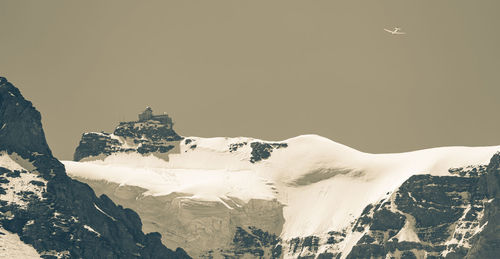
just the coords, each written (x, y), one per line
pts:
(264, 69)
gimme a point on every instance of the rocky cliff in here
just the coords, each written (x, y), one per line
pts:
(426, 217)
(56, 215)
(487, 242)
(144, 137)
(305, 197)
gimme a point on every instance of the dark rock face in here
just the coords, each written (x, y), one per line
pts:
(144, 137)
(254, 242)
(487, 243)
(20, 127)
(310, 244)
(438, 202)
(94, 144)
(261, 151)
(385, 219)
(153, 130)
(234, 147)
(446, 214)
(468, 171)
(58, 216)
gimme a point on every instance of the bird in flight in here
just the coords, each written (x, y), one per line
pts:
(396, 31)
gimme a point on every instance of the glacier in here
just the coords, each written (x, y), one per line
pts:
(323, 186)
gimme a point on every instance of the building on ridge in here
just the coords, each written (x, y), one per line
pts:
(148, 115)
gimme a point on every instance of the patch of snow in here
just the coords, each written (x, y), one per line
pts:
(479, 229)
(350, 241)
(17, 186)
(56, 254)
(407, 233)
(12, 247)
(99, 209)
(89, 228)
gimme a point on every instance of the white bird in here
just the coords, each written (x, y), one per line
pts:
(396, 31)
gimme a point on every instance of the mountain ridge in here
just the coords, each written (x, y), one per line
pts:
(58, 216)
(304, 197)
(306, 174)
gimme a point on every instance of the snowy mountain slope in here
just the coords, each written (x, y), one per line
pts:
(324, 186)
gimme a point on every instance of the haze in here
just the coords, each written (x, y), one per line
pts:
(265, 69)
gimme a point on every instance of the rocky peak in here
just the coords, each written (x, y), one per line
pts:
(150, 134)
(59, 217)
(20, 123)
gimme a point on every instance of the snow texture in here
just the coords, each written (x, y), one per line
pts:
(324, 185)
(18, 186)
(12, 247)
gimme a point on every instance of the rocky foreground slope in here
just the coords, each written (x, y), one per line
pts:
(53, 215)
(305, 197)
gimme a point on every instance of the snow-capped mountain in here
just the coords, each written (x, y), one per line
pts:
(46, 214)
(305, 197)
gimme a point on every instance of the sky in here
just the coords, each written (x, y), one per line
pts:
(265, 69)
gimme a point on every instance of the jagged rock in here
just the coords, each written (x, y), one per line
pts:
(444, 208)
(254, 242)
(62, 217)
(261, 150)
(385, 220)
(151, 129)
(367, 251)
(144, 137)
(468, 171)
(150, 134)
(20, 125)
(487, 244)
(234, 147)
(437, 202)
(94, 144)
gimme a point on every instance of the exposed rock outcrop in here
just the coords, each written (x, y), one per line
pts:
(426, 217)
(150, 136)
(58, 216)
(487, 244)
(21, 129)
(262, 151)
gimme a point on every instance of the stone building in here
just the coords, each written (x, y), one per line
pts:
(148, 115)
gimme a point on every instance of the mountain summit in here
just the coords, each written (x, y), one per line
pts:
(53, 215)
(150, 134)
(304, 197)
(21, 129)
